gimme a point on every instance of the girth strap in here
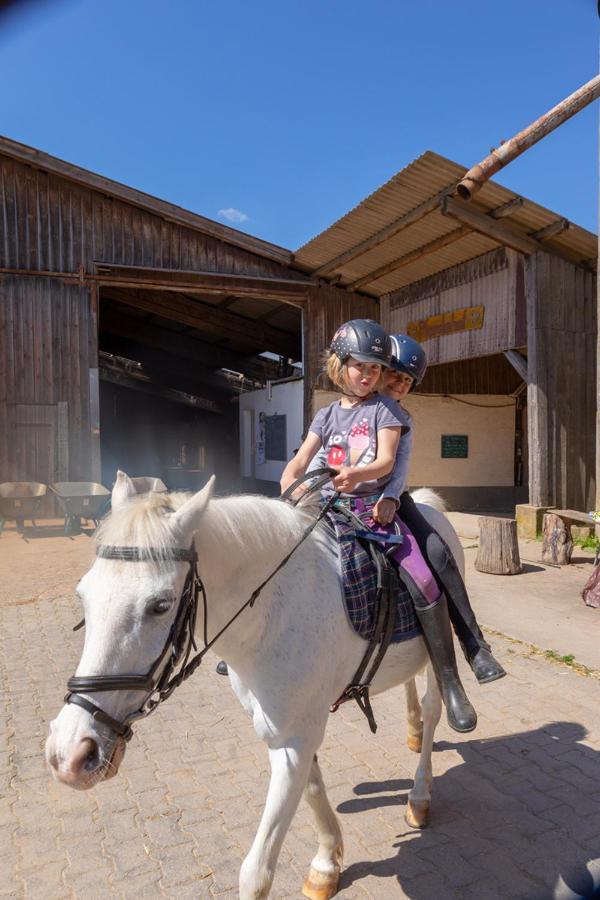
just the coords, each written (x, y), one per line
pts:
(387, 587)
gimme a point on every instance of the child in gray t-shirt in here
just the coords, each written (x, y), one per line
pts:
(359, 432)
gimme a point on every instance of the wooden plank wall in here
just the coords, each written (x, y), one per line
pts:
(327, 307)
(562, 325)
(48, 344)
(483, 375)
(490, 281)
(48, 223)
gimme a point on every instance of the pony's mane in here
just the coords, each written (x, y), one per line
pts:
(143, 521)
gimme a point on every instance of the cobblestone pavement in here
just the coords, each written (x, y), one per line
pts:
(516, 807)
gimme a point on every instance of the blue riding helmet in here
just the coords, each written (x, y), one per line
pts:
(408, 356)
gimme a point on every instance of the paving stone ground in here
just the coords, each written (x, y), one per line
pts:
(516, 808)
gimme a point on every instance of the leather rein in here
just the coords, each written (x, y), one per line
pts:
(159, 685)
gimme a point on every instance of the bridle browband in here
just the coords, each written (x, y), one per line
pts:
(180, 640)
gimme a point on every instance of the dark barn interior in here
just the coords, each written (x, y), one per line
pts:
(172, 366)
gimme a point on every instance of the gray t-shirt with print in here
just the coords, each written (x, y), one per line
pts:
(349, 436)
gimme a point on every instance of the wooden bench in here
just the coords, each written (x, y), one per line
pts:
(557, 542)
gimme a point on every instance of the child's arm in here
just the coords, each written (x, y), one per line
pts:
(299, 463)
(349, 476)
(386, 507)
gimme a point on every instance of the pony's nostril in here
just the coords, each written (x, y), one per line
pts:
(87, 756)
(92, 759)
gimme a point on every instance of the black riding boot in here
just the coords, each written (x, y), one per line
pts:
(437, 633)
(477, 651)
(443, 565)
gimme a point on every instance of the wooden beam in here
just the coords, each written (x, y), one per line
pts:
(208, 319)
(270, 312)
(409, 218)
(483, 224)
(550, 230)
(169, 370)
(288, 290)
(432, 247)
(146, 386)
(518, 362)
(116, 323)
(507, 209)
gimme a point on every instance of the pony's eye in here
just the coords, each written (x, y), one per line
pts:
(160, 607)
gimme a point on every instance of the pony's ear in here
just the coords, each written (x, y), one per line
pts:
(187, 516)
(122, 490)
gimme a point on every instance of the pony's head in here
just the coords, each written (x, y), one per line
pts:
(129, 606)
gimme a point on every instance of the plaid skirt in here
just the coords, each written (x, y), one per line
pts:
(359, 581)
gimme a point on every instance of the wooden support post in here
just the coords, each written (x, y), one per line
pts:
(498, 547)
(557, 543)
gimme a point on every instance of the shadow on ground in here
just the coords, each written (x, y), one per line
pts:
(522, 810)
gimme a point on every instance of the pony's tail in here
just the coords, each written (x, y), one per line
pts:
(429, 498)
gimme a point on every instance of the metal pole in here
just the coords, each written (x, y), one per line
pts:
(476, 177)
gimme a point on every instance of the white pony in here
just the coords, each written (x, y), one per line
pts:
(290, 655)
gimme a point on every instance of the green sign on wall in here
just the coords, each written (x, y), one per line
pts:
(455, 446)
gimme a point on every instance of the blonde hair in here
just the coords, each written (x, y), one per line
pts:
(336, 372)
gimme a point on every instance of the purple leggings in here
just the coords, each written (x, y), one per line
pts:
(407, 555)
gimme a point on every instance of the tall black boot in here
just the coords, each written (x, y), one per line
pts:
(437, 633)
(477, 651)
(443, 565)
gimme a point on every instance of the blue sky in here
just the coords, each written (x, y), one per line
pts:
(292, 112)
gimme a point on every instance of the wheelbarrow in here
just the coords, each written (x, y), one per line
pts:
(20, 500)
(81, 500)
(145, 484)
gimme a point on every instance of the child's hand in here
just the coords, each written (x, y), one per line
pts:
(384, 510)
(346, 479)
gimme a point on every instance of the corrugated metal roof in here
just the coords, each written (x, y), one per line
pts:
(428, 177)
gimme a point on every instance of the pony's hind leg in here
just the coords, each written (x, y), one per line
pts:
(419, 798)
(414, 717)
(290, 766)
(322, 880)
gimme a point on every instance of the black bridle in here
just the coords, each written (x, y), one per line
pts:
(159, 685)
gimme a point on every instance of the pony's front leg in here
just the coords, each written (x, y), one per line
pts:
(322, 880)
(419, 798)
(289, 771)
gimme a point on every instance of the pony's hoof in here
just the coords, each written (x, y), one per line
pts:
(319, 886)
(414, 742)
(417, 815)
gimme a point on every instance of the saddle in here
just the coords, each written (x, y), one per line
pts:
(377, 601)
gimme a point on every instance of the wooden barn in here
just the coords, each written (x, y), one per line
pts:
(502, 294)
(129, 326)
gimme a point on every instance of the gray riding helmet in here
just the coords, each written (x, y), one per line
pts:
(364, 340)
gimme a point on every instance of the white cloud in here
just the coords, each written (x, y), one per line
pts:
(233, 215)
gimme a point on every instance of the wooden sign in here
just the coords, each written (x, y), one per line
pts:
(467, 319)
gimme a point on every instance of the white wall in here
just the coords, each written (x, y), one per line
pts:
(490, 426)
(286, 400)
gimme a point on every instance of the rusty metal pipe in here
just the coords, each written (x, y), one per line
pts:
(476, 177)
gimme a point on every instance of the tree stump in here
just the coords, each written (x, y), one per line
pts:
(498, 547)
(557, 543)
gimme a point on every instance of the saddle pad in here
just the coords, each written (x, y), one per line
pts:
(359, 581)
